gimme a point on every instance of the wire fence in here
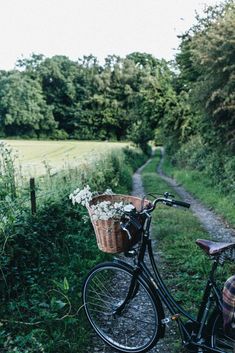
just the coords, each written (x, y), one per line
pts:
(29, 192)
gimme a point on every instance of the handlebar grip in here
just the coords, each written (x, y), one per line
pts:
(181, 203)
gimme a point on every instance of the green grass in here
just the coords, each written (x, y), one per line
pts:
(36, 157)
(198, 184)
(183, 264)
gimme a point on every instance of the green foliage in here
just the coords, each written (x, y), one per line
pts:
(60, 98)
(45, 257)
(59, 134)
(7, 172)
(23, 108)
(179, 123)
(213, 52)
(191, 154)
(205, 189)
(206, 61)
(151, 99)
(186, 267)
(198, 125)
(217, 169)
(134, 158)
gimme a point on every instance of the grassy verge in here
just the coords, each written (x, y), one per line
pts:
(184, 266)
(198, 184)
(45, 257)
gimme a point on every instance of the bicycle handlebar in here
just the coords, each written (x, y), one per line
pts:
(168, 202)
(180, 203)
(133, 217)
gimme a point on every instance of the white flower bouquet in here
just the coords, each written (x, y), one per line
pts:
(105, 212)
(102, 210)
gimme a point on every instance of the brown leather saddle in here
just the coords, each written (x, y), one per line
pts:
(214, 248)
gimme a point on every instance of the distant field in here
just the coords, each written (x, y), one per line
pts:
(34, 156)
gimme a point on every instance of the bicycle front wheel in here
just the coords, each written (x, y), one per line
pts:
(219, 339)
(133, 329)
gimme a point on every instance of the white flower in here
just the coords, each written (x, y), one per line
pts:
(106, 210)
(103, 210)
(129, 208)
(108, 192)
(82, 197)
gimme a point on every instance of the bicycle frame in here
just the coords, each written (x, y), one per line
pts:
(193, 333)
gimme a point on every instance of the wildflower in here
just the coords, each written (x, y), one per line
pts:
(82, 197)
(103, 210)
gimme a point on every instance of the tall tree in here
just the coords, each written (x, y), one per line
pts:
(23, 109)
(207, 66)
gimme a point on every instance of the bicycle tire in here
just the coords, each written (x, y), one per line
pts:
(138, 327)
(219, 339)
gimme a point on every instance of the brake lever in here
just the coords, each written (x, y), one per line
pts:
(123, 226)
(167, 194)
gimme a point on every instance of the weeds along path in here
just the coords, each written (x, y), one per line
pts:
(213, 224)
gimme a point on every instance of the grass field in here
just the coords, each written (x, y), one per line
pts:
(35, 157)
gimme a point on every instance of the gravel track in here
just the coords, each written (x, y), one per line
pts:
(213, 224)
(217, 228)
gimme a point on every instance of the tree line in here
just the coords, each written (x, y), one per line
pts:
(204, 84)
(188, 105)
(200, 126)
(59, 98)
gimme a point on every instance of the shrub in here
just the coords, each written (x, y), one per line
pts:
(59, 135)
(218, 169)
(45, 257)
(192, 154)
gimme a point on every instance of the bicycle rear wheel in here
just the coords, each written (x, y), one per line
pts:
(136, 328)
(219, 339)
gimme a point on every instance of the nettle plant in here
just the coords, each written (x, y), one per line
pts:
(103, 210)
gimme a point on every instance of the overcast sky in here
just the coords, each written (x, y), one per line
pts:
(100, 27)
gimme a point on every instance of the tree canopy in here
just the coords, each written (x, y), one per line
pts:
(61, 98)
(207, 64)
(137, 97)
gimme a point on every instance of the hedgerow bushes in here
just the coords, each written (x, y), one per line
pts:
(45, 257)
(207, 174)
(217, 167)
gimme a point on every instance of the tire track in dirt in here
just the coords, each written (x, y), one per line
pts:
(213, 224)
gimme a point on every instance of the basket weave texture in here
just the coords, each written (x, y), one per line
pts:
(109, 235)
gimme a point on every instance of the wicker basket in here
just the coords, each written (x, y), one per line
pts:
(109, 235)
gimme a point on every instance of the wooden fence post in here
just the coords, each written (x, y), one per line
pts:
(32, 195)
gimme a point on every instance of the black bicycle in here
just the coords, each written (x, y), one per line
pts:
(124, 303)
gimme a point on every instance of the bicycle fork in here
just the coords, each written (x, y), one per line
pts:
(132, 291)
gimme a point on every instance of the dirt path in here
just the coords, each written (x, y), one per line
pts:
(163, 346)
(212, 223)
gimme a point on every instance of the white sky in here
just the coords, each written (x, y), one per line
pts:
(100, 27)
